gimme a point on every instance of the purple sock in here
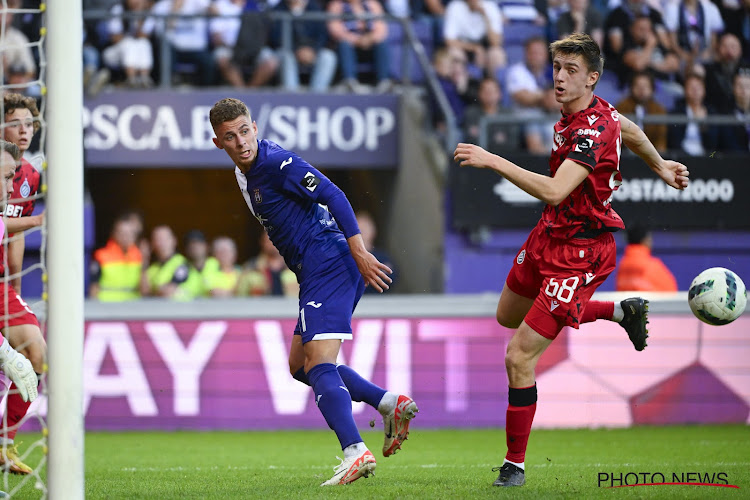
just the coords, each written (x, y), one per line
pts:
(334, 402)
(360, 388)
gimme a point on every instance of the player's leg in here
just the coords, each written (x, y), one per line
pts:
(631, 314)
(326, 305)
(28, 340)
(512, 308)
(524, 350)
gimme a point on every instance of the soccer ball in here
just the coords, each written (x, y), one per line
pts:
(717, 296)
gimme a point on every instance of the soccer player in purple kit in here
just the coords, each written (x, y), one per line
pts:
(324, 248)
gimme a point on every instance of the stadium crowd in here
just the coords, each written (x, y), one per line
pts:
(686, 57)
(130, 266)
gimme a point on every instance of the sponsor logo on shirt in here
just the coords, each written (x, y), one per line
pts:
(310, 182)
(314, 304)
(592, 119)
(285, 163)
(521, 256)
(590, 277)
(554, 305)
(588, 131)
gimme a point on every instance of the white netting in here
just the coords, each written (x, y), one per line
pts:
(15, 48)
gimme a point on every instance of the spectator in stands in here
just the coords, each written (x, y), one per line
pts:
(308, 51)
(116, 268)
(196, 251)
(267, 273)
(581, 17)
(187, 36)
(737, 22)
(639, 103)
(737, 138)
(360, 39)
(694, 26)
(130, 49)
(369, 233)
(476, 28)
(19, 66)
(638, 270)
(693, 138)
(644, 51)
(618, 36)
(529, 84)
(221, 274)
(169, 276)
(452, 74)
(720, 74)
(240, 45)
(500, 136)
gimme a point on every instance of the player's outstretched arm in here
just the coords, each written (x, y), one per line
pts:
(550, 190)
(673, 173)
(373, 271)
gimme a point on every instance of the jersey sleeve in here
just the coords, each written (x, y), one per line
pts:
(301, 178)
(590, 135)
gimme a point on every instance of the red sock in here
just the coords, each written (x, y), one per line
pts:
(16, 409)
(597, 309)
(518, 419)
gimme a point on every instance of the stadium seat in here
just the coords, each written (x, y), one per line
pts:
(518, 32)
(423, 31)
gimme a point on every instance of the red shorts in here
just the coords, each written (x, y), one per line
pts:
(560, 275)
(16, 312)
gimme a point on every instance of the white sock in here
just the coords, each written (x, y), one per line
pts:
(355, 450)
(4, 441)
(619, 314)
(388, 403)
(520, 466)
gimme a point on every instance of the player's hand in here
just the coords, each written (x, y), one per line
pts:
(674, 173)
(374, 272)
(470, 155)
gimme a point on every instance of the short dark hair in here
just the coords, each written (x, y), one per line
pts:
(11, 148)
(637, 233)
(642, 74)
(227, 109)
(14, 101)
(581, 44)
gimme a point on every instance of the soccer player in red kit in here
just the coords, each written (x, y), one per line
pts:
(20, 123)
(571, 251)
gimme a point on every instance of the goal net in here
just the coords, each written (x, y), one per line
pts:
(40, 57)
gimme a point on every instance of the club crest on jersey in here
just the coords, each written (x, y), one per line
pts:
(521, 257)
(25, 188)
(559, 141)
(257, 196)
(310, 182)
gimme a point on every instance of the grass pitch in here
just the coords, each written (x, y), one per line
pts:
(450, 464)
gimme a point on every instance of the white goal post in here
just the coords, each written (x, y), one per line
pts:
(65, 248)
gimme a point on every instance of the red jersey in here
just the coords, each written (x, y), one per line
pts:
(591, 138)
(25, 185)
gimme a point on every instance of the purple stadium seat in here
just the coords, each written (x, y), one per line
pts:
(518, 32)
